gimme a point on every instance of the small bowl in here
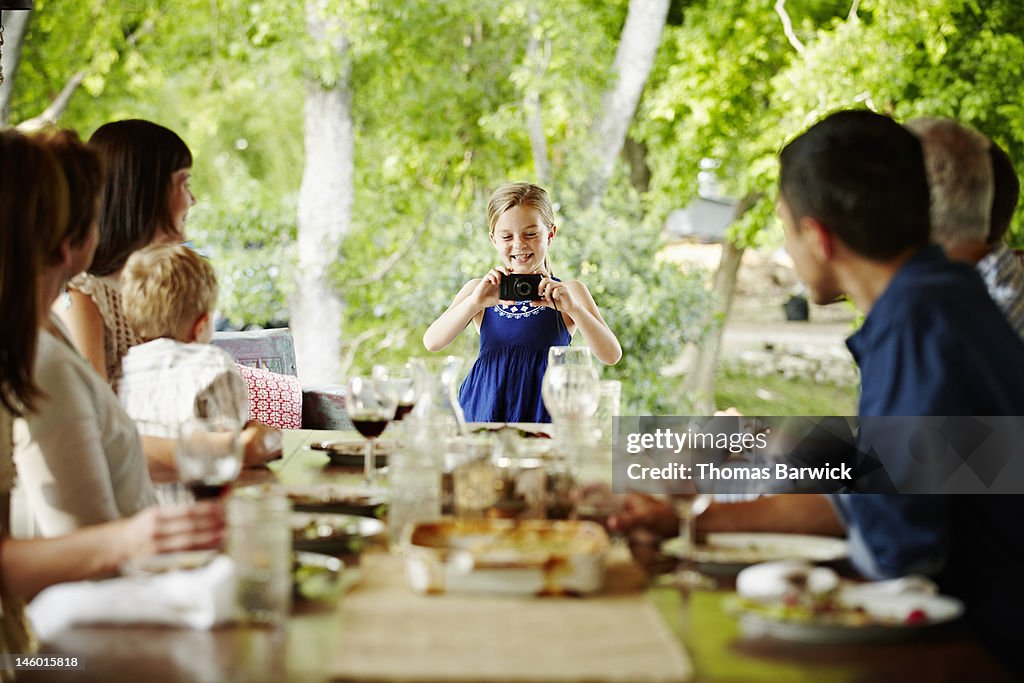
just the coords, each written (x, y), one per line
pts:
(320, 578)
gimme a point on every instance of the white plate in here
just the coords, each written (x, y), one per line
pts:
(940, 609)
(328, 497)
(169, 562)
(334, 533)
(734, 551)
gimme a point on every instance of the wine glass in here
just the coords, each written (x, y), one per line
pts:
(570, 392)
(371, 405)
(689, 507)
(208, 455)
(570, 355)
(404, 383)
(570, 387)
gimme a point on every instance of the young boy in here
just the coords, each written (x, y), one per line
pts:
(169, 294)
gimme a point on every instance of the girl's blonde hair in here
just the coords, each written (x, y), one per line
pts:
(511, 195)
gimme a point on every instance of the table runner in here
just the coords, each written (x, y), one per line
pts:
(390, 633)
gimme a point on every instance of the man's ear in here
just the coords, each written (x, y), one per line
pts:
(201, 330)
(821, 240)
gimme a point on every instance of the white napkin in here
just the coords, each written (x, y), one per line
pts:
(769, 581)
(197, 598)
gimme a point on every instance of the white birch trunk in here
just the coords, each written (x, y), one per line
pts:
(15, 27)
(634, 59)
(531, 101)
(324, 210)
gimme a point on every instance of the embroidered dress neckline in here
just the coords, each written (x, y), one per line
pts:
(517, 310)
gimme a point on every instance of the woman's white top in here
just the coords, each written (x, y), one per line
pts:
(79, 458)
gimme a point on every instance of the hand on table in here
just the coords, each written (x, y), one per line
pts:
(260, 444)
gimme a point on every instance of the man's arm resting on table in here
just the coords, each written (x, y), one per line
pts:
(786, 513)
(797, 513)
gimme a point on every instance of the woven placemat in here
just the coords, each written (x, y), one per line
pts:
(390, 633)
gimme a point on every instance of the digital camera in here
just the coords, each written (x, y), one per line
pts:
(517, 287)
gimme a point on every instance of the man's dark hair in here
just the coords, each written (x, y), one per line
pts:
(1007, 191)
(141, 158)
(862, 176)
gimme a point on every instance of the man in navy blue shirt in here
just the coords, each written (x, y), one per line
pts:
(854, 202)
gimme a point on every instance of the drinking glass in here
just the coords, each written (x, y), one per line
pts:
(689, 506)
(208, 455)
(260, 543)
(370, 404)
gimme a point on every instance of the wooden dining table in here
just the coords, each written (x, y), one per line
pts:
(707, 640)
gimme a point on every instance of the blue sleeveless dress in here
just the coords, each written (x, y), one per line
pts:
(504, 383)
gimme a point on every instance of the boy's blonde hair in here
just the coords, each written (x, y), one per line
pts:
(165, 289)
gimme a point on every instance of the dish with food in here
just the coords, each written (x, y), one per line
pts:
(526, 557)
(318, 577)
(796, 601)
(507, 428)
(332, 534)
(728, 553)
(349, 452)
(340, 498)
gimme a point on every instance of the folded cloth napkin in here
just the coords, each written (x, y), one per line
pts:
(770, 581)
(196, 598)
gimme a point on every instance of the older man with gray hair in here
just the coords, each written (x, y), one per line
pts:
(962, 184)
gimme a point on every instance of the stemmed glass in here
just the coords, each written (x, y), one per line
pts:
(208, 455)
(404, 383)
(371, 405)
(570, 387)
(689, 507)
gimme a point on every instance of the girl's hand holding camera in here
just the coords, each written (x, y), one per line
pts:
(485, 294)
(557, 295)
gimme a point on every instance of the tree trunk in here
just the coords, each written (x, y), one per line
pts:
(531, 100)
(699, 386)
(324, 209)
(15, 28)
(698, 389)
(634, 59)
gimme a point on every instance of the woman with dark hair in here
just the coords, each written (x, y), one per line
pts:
(33, 214)
(145, 201)
(77, 451)
(146, 198)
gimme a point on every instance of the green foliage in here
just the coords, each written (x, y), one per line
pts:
(729, 86)
(653, 307)
(252, 251)
(437, 104)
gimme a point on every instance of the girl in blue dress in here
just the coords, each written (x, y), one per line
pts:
(505, 382)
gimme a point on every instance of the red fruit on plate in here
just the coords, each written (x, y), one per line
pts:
(916, 617)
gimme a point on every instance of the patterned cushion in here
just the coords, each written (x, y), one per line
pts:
(274, 399)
